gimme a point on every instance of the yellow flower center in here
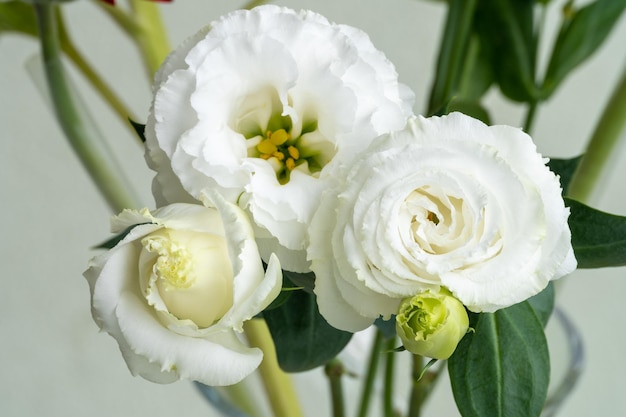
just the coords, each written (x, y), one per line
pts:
(276, 145)
(174, 264)
(273, 136)
(188, 274)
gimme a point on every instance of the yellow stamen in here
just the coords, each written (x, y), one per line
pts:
(293, 152)
(290, 164)
(279, 137)
(267, 147)
(279, 155)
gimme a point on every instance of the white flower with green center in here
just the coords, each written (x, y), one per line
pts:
(176, 290)
(258, 105)
(448, 201)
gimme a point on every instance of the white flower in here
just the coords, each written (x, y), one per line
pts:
(176, 290)
(445, 202)
(258, 105)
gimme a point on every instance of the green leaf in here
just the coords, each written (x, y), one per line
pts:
(140, 129)
(502, 369)
(452, 54)
(564, 168)
(598, 238)
(303, 339)
(543, 303)
(477, 75)
(304, 280)
(387, 328)
(16, 16)
(506, 30)
(470, 108)
(580, 36)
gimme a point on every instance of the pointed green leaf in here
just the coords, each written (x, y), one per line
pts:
(470, 108)
(387, 328)
(564, 168)
(140, 129)
(598, 238)
(303, 339)
(502, 369)
(452, 54)
(304, 280)
(580, 36)
(543, 304)
(16, 16)
(506, 30)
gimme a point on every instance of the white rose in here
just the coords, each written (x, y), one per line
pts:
(258, 105)
(176, 290)
(446, 202)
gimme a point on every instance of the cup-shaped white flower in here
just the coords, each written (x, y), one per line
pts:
(176, 290)
(257, 105)
(432, 323)
(448, 201)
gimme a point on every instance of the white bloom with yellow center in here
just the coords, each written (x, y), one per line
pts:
(446, 202)
(258, 105)
(176, 290)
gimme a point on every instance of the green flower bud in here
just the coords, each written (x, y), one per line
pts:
(432, 323)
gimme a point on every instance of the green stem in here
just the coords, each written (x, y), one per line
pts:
(452, 53)
(73, 120)
(421, 388)
(119, 16)
(530, 116)
(240, 395)
(145, 27)
(603, 143)
(389, 372)
(417, 393)
(334, 371)
(278, 386)
(116, 104)
(366, 394)
(150, 35)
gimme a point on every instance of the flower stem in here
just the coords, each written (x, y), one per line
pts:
(145, 27)
(451, 53)
(334, 371)
(150, 35)
(421, 387)
(389, 372)
(372, 367)
(602, 144)
(71, 117)
(278, 385)
(116, 104)
(530, 116)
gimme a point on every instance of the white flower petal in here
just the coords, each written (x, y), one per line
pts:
(263, 70)
(222, 360)
(445, 202)
(160, 253)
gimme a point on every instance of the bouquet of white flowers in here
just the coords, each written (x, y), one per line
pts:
(300, 200)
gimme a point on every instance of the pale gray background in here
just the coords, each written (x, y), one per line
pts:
(53, 362)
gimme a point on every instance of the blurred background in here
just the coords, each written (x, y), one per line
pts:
(54, 362)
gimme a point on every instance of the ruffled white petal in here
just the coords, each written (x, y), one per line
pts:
(445, 202)
(216, 96)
